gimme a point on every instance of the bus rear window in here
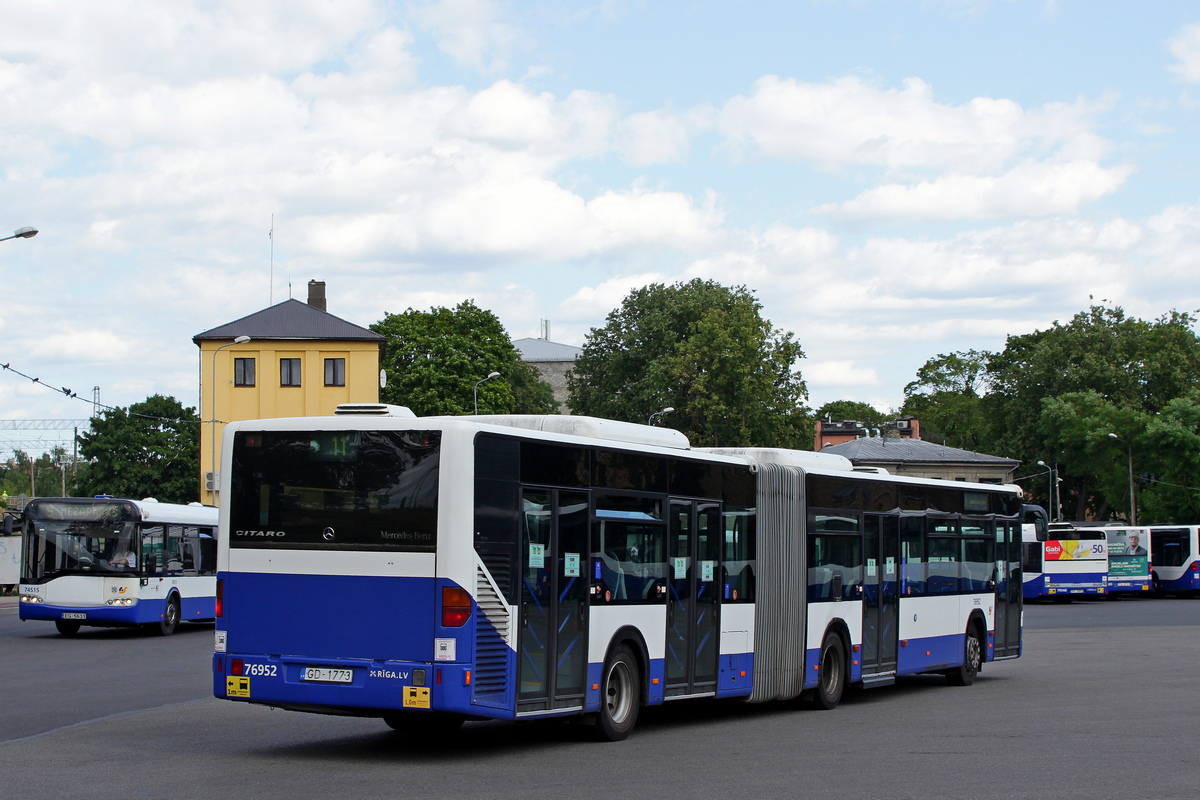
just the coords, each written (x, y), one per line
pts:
(356, 490)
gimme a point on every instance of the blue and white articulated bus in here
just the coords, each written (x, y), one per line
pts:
(433, 570)
(108, 563)
(1175, 558)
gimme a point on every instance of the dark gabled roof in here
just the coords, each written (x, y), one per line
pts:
(290, 319)
(534, 350)
(913, 451)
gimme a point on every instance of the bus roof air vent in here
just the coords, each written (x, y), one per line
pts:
(373, 410)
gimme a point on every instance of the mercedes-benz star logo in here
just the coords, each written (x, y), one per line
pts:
(327, 535)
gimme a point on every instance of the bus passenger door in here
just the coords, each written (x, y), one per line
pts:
(553, 646)
(693, 634)
(881, 593)
(1008, 590)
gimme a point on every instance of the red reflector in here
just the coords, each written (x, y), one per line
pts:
(220, 665)
(220, 598)
(456, 607)
(236, 667)
(467, 682)
(439, 677)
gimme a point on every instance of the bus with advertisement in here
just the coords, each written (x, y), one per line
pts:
(1129, 561)
(1175, 559)
(1066, 562)
(107, 562)
(428, 571)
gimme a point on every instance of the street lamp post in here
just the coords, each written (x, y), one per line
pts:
(1132, 495)
(22, 233)
(213, 434)
(485, 380)
(666, 410)
(1051, 484)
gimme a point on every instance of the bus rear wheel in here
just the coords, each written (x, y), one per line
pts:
(620, 696)
(831, 673)
(170, 617)
(972, 660)
(67, 627)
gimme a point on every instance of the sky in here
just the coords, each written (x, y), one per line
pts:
(894, 179)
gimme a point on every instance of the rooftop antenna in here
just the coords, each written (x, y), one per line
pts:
(271, 236)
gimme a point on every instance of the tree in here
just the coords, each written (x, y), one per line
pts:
(435, 358)
(703, 349)
(1129, 364)
(947, 398)
(1171, 442)
(863, 413)
(151, 449)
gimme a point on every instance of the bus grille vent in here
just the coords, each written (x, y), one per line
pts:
(491, 638)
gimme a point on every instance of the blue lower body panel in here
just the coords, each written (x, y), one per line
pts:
(141, 613)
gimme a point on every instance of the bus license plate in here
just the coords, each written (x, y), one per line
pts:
(327, 675)
(73, 615)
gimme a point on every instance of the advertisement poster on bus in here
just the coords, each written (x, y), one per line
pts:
(1075, 550)
(1127, 542)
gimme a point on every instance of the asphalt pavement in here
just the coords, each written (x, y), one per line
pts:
(1102, 705)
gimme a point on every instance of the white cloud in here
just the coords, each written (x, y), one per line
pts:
(850, 121)
(661, 137)
(472, 32)
(1185, 46)
(1032, 189)
(839, 373)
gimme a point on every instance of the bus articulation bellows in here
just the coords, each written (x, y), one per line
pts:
(432, 570)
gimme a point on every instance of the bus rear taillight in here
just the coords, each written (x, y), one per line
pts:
(220, 598)
(456, 607)
(1196, 566)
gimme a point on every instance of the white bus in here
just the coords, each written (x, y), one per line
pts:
(1175, 558)
(1063, 561)
(1128, 555)
(107, 563)
(432, 570)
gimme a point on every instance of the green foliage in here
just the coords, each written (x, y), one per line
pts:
(947, 399)
(703, 349)
(435, 358)
(1130, 369)
(1171, 445)
(151, 449)
(863, 413)
(48, 475)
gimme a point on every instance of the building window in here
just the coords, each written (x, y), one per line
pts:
(335, 372)
(289, 372)
(243, 372)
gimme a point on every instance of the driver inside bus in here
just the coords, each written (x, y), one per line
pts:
(123, 558)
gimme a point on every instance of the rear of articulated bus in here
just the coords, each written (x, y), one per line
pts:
(330, 597)
(1129, 562)
(1075, 563)
(1175, 554)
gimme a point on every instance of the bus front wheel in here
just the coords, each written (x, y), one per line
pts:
(67, 627)
(170, 617)
(831, 673)
(620, 695)
(972, 660)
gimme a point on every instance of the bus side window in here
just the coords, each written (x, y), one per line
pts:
(739, 557)
(174, 549)
(208, 552)
(153, 562)
(942, 556)
(834, 567)
(912, 557)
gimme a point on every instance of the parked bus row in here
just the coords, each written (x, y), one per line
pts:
(1065, 560)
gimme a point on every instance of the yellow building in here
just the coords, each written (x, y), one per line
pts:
(293, 359)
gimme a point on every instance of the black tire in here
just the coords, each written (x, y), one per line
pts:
(620, 695)
(831, 673)
(170, 617)
(423, 724)
(67, 627)
(972, 659)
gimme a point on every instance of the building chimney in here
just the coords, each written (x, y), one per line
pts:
(316, 294)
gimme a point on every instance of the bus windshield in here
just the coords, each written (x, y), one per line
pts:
(359, 490)
(79, 548)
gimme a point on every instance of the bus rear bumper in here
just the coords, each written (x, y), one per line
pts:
(372, 689)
